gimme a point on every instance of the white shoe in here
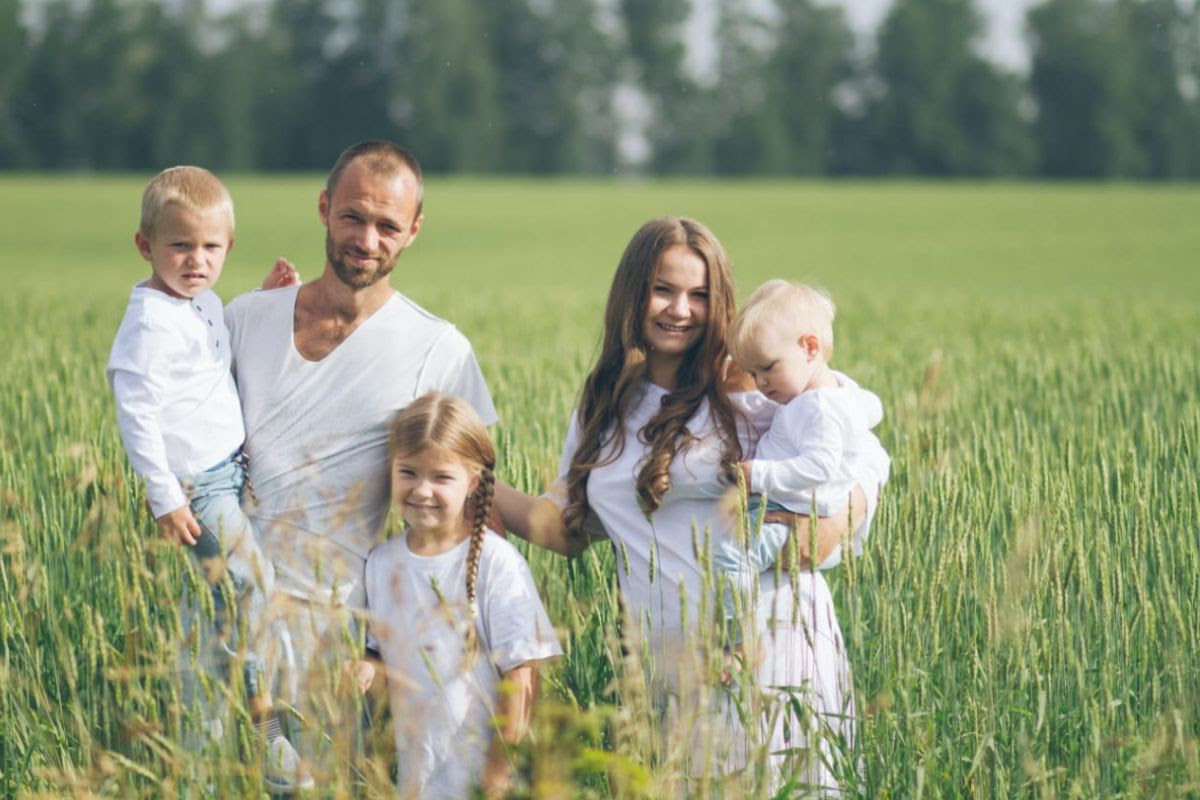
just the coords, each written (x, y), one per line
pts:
(286, 772)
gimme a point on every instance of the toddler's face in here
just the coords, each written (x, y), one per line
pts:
(782, 364)
(187, 250)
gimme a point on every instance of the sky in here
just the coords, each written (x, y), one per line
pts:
(1004, 21)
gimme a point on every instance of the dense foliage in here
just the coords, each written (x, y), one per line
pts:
(771, 87)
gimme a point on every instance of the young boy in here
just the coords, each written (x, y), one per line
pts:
(181, 421)
(819, 445)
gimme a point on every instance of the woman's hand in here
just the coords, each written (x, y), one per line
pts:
(736, 379)
(829, 534)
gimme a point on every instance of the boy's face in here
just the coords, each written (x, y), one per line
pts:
(187, 250)
(782, 364)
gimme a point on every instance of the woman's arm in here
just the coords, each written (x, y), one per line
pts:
(537, 520)
(829, 534)
(514, 705)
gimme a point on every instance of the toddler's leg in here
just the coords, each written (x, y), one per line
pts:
(216, 505)
(740, 568)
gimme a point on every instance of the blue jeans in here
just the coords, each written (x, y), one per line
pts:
(739, 567)
(239, 577)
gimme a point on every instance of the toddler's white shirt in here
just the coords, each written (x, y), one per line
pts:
(820, 445)
(177, 404)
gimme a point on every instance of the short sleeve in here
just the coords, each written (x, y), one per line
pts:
(452, 368)
(557, 492)
(516, 626)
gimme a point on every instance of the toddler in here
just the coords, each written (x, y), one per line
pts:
(819, 445)
(181, 422)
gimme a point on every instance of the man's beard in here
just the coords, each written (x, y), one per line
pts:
(355, 277)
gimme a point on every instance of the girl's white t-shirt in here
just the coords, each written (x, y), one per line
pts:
(442, 708)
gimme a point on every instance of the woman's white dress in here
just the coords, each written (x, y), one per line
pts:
(668, 593)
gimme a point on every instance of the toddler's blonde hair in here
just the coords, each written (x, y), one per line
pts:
(193, 188)
(797, 307)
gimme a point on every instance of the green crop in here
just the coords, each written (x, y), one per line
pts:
(1024, 622)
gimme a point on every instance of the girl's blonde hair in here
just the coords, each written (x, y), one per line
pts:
(193, 188)
(795, 307)
(450, 424)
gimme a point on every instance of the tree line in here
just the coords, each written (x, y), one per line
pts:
(601, 86)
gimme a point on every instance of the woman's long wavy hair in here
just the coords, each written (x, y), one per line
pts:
(612, 387)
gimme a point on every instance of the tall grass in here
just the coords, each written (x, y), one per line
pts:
(1025, 621)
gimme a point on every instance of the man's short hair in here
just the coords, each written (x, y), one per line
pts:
(790, 306)
(380, 157)
(194, 188)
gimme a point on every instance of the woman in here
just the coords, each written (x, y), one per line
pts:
(648, 457)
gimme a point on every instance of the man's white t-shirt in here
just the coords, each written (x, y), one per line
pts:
(317, 431)
(442, 708)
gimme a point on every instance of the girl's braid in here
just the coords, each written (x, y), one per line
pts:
(482, 499)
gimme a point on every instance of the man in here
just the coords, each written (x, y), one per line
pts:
(321, 369)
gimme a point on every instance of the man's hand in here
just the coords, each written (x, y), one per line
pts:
(359, 674)
(282, 274)
(179, 526)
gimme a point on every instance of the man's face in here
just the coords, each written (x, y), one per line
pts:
(369, 220)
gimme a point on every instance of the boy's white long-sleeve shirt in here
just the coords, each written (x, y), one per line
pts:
(177, 404)
(820, 443)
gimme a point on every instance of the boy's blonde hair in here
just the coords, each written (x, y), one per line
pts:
(795, 307)
(194, 188)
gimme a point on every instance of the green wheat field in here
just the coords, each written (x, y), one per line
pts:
(1024, 622)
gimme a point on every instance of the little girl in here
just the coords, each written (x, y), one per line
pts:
(452, 611)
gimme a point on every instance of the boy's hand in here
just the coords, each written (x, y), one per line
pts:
(284, 273)
(179, 526)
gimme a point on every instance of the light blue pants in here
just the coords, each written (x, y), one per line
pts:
(240, 578)
(738, 568)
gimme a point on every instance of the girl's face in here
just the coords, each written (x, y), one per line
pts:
(677, 311)
(430, 488)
